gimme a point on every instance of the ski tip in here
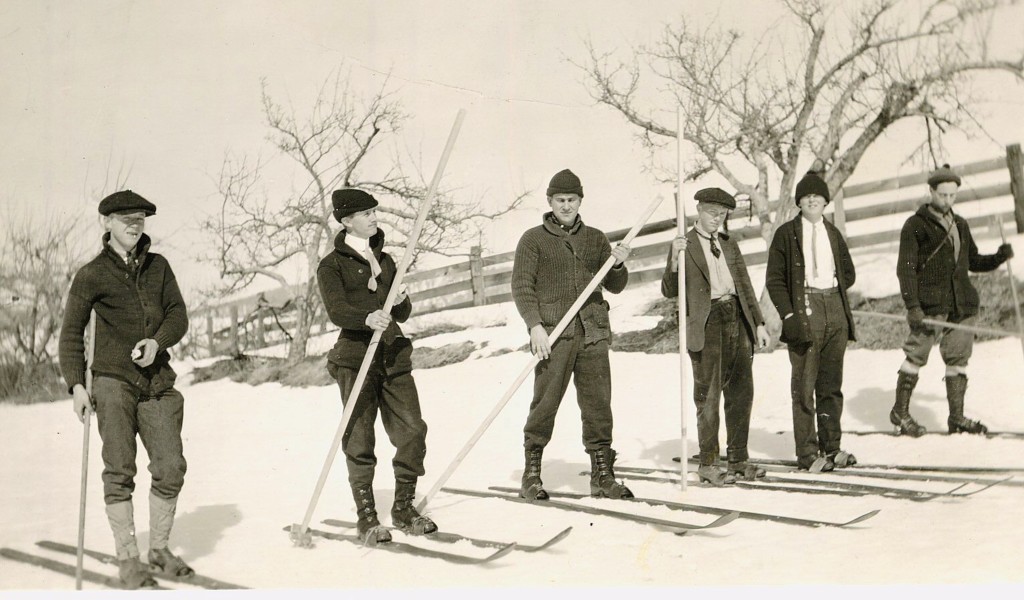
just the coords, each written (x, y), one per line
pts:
(500, 552)
(723, 520)
(862, 518)
(300, 536)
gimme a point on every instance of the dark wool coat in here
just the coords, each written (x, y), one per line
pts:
(552, 267)
(343, 276)
(698, 288)
(931, 277)
(784, 278)
(130, 307)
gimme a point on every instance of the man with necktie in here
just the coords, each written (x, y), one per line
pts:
(355, 280)
(722, 321)
(809, 270)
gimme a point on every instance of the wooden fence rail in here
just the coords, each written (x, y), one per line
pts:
(256, 321)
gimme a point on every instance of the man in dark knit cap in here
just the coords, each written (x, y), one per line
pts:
(936, 254)
(809, 270)
(723, 320)
(355, 280)
(140, 314)
(554, 262)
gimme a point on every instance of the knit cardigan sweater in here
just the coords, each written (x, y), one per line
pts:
(552, 267)
(130, 306)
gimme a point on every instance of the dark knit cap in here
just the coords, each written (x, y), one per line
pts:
(715, 195)
(812, 184)
(126, 200)
(943, 175)
(349, 201)
(565, 182)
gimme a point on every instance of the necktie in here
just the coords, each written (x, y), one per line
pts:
(714, 249)
(132, 261)
(814, 250)
(374, 269)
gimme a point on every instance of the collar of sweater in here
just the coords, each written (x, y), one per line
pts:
(141, 249)
(554, 226)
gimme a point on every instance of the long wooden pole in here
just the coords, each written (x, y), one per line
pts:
(557, 331)
(933, 322)
(681, 266)
(86, 426)
(300, 533)
(1013, 288)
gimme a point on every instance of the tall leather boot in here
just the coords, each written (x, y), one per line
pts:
(404, 515)
(956, 388)
(602, 476)
(121, 516)
(370, 531)
(161, 519)
(899, 416)
(532, 487)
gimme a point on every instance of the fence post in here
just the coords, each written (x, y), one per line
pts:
(476, 272)
(1015, 165)
(233, 332)
(261, 339)
(211, 339)
(839, 219)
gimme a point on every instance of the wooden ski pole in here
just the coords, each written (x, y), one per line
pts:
(1013, 287)
(300, 534)
(681, 266)
(933, 322)
(86, 426)
(557, 331)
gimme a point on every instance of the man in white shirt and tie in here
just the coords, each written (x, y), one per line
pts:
(809, 270)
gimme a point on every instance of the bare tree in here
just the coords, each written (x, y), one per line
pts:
(345, 140)
(39, 260)
(821, 86)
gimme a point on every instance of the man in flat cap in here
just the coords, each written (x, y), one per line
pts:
(936, 254)
(355, 280)
(553, 264)
(140, 314)
(723, 320)
(809, 270)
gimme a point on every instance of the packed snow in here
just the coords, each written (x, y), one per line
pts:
(254, 455)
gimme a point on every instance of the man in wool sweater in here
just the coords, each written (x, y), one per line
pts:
(355, 280)
(139, 315)
(554, 262)
(936, 253)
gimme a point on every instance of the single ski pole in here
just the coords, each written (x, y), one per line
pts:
(1013, 288)
(934, 323)
(557, 331)
(681, 268)
(90, 352)
(300, 533)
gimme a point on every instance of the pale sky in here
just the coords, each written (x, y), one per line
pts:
(167, 88)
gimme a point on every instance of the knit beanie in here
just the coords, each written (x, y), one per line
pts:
(812, 184)
(943, 175)
(565, 182)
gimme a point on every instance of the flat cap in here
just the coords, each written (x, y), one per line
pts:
(349, 201)
(126, 200)
(713, 195)
(943, 174)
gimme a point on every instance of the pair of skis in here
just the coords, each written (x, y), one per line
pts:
(99, 578)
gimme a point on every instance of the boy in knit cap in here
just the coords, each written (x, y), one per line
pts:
(809, 270)
(355, 280)
(554, 262)
(723, 320)
(140, 314)
(936, 254)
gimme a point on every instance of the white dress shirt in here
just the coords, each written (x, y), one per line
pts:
(819, 264)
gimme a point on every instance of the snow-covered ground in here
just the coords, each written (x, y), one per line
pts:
(255, 453)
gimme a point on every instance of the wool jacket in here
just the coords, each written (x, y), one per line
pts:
(551, 269)
(931, 277)
(343, 276)
(785, 279)
(130, 306)
(698, 288)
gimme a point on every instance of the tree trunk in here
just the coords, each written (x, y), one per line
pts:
(297, 349)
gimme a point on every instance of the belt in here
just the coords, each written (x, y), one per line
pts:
(831, 290)
(725, 298)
